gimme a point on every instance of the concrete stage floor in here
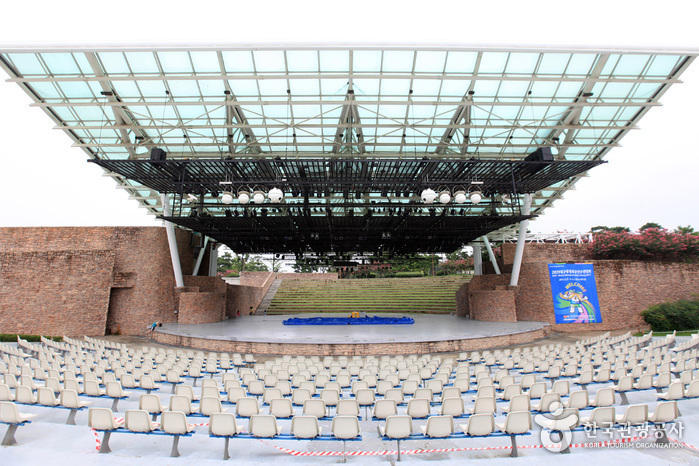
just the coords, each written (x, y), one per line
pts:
(427, 328)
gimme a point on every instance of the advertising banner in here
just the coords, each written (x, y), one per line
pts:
(574, 293)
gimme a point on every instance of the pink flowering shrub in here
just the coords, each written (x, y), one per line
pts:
(649, 244)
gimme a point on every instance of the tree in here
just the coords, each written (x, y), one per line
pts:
(240, 263)
(651, 225)
(302, 267)
(276, 264)
(602, 228)
(688, 230)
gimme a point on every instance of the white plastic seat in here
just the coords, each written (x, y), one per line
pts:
(247, 407)
(516, 423)
(600, 418)
(209, 405)
(510, 391)
(9, 414)
(397, 428)
(102, 419)
(271, 394)
(518, 403)
(137, 420)
(281, 408)
(315, 407)
(438, 426)
(665, 411)
(635, 415)
(235, 393)
(675, 391)
(330, 396)
(6, 393)
(385, 408)
(92, 388)
(345, 427)
(483, 405)
(425, 393)
(180, 403)
(479, 425)
(46, 397)
(347, 408)
(546, 401)
(175, 423)
(578, 399)
(452, 407)
(24, 395)
(305, 427)
(264, 426)
(604, 397)
(151, 404)
(418, 408)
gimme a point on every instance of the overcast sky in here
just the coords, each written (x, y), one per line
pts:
(653, 177)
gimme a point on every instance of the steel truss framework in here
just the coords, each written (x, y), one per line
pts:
(344, 129)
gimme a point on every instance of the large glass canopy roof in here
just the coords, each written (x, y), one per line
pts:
(357, 102)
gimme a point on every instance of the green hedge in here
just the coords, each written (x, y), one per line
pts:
(12, 337)
(408, 274)
(677, 315)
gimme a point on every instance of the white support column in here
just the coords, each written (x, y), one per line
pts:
(477, 259)
(213, 259)
(491, 255)
(200, 256)
(172, 242)
(519, 250)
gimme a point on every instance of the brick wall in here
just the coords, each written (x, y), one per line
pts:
(493, 305)
(87, 280)
(477, 283)
(547, 252)
(201, 308)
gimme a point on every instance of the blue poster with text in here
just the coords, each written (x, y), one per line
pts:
(574, 293)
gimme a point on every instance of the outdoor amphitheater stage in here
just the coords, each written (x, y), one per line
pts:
(429, 334)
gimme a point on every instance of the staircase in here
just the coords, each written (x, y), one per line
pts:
(269, 296)
(427, 295)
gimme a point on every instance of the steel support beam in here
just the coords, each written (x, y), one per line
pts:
(477, 259)
(200, 256)
(491, 255)
(172, 242)
(519, 249)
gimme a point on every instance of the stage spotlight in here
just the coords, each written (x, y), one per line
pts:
(476, 197)
(276, 195)
(227, 197)
(243, 197)
(428, 196)
(506, 199)
(191, 198)
(460, 197)
(444, 197)
(258, 197)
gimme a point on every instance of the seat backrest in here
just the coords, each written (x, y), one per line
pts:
(693, 389)
(547, 399)
(24, 394)
(365, 397)
(92, 388)
(69, 398)
(452, 406)
(625, 384)
(236, 393)
(263, 425)
(305, 427)
(185, 390)
(578, 399)
(173, 422)
(46, 396)
(425, 393)
(271, 394)
(150, 403)
(181, 403)
(480, 424)
(137, 420)
(410, 386)
(385, 408)
(519, 403)
(537, 390)
(484, 405)
(666, 411)
(315, 407)
(345, 427)
(347, 408)
(561, 387)
(398, 427)
(9, 412)
(603, 417)
(222, 424)
(330, 396)
(604, 397)
(256, 387)
(209, 391)
(635, 415)
(246, 407)
(100, 419)
(209, 405)
(518, 422)
(281, 407)
(418, 408)
(114, 390)
(439, 426)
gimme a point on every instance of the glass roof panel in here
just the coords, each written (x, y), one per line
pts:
(631, 65)
(273, 87)
(126, 89)
(152, 89)
(522, 63)
(244, 87)
(27, 63)
(142, 62)
(205, 62)
(60, 63)
(113, 63)
(269, 61)
(662, 65)
(237, 62)
(553, 63)
(329, 87)
(367, 61)
(46, 90)
(76, 89)
(304, 87)
(302, 61)
(430, 61)
(398, 61)
(334, 61)
(581, 64)
(426, 86)
(461, 62)
(453, 87)
(175, 62)
(493, 62)
(181, 88)
(212, 87)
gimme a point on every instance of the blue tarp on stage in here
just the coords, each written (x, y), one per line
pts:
(349, 321)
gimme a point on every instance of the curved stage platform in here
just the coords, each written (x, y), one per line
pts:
(429, 334)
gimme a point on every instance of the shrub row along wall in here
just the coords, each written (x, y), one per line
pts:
(87, 281)
(624, 288)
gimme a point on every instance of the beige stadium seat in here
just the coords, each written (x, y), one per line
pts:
(347, 408)
(264, 426)
(11, 416)
(479, 425)
(102, 419)
(601, 418)
(175, 424)
(483, 405)
(305, 427)
(180, 403)
(224, 425)
(438, 426)
(418, 408)
(137, 420)
(397, 428)
(209, 405)
(516, 423)
(635, 415)
(315, 407)
(151, 404)
(518, 403)
(578, 399)
(24, 395)
(46, 397)
(235, 393)
(384, 408)
(281, 408)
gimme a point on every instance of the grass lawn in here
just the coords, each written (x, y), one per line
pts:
(681, 333)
